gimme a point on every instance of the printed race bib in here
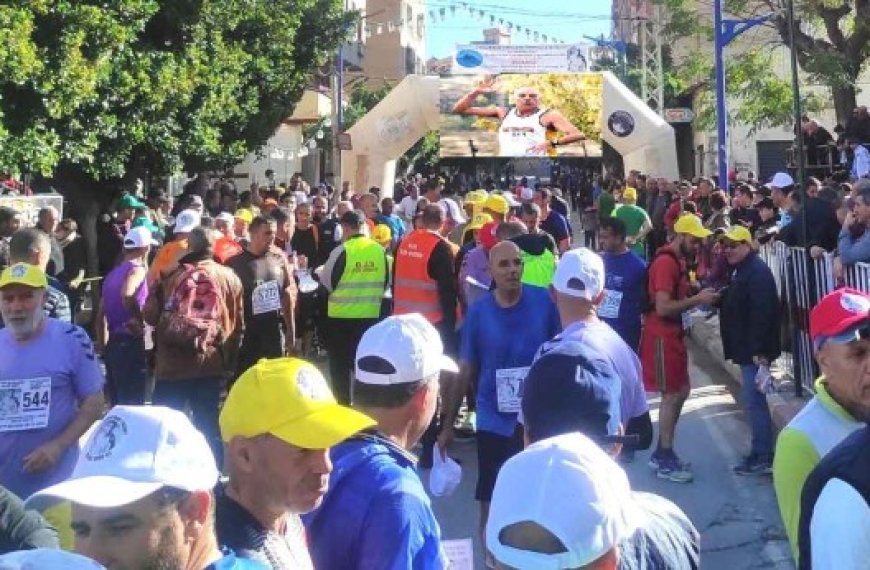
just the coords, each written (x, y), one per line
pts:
(509, 388)
(266, 298)
(24, 404)
(609, 307)
(687, 319)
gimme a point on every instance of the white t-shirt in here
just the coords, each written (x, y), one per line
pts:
(408, 206)
(840, 527)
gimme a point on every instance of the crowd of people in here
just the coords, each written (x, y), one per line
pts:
(438, 316)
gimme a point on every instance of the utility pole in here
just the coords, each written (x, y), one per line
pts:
(652, 73)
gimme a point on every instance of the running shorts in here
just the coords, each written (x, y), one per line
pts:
(665, 363)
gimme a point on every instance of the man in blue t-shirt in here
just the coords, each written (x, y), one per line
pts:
(625, 280)
(552, 221)
(499, 339)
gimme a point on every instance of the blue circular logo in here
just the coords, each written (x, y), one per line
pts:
(469, 58)
(620, 123)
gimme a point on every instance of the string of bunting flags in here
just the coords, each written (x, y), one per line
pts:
(461, 10)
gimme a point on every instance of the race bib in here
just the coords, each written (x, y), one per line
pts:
(509, 388)
(687, 320)
(24, 404)
(266, 298)
(609, 307)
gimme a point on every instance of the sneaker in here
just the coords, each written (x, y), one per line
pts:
(754, 464)
(672, 469)
(654, 460)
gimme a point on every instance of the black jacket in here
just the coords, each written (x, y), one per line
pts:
(749, 316)
(822, 226)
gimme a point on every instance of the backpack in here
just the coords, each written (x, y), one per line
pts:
(192, 316)
(648, 303)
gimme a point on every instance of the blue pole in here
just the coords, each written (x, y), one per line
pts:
(721, 112)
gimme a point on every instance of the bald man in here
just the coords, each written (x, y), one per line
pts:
(499, 338)
(527, 128)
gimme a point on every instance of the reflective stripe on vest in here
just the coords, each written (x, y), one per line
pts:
(538, 269)
(413, 290)
(360, 289)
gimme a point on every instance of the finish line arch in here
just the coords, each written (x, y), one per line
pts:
(411, 110)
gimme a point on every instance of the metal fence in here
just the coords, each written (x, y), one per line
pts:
(801, 281)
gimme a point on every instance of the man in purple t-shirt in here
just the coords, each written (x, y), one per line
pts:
(51, 387)
(578, 287)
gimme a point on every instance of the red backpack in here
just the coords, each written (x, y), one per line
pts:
(192, 316)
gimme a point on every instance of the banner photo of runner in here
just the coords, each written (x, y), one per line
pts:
(545, 115)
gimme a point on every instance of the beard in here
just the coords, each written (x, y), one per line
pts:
(167, 555)
(24, 325)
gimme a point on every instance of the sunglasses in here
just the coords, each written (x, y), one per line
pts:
(527, 95)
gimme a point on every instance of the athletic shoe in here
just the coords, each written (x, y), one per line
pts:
(654, 460)
(754, 464)
(672, 469)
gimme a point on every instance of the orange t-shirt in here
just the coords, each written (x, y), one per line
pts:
(166, 259)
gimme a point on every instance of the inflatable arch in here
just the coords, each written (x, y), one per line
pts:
(645, 141)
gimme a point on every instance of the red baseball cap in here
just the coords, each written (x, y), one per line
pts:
(838, 312)
(487, 235)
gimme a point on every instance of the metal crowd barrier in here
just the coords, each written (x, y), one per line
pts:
(801, 281)
(857, 276)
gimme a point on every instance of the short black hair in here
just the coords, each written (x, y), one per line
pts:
(379, 395)
(259, 221)
(614, 226)
(530, 209)
(353, 218)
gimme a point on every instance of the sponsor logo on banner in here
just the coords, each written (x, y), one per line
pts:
(620, 123)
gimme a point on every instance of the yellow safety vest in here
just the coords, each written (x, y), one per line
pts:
(360, 289)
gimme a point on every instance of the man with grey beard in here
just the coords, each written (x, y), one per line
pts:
(51, 386)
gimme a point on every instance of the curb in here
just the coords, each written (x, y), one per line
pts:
(783, 404)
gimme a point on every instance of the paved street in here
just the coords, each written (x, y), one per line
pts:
(737, 516)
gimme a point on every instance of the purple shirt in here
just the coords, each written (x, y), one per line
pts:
(117, 314)
(476, 266)
(64, 354)
(601, 338)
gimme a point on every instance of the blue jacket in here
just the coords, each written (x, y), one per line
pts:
(376, 514)
(750, 315)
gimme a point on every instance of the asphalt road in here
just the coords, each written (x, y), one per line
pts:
(737, 516)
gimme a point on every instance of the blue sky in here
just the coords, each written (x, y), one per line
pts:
(570, 21)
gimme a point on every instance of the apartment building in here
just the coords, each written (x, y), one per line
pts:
(396, 46)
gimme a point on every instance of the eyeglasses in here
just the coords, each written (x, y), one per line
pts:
(527, 95)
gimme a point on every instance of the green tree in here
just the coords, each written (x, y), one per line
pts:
(96, 91)
(832, 39)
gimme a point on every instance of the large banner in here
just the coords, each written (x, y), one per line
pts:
(544, 115)
(478, 59)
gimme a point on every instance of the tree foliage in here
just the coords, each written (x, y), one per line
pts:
(832, 39)
(105, 88)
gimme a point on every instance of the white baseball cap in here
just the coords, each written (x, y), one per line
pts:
(226, 217)
(580, 495)
(196, 201)
(139, 237)
(133, 452)
(410, 344)
(47, 559)
(780, 180)
(580, 273)
(186, 221)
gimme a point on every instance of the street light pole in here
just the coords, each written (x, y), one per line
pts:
(721, 111)
(796, 96)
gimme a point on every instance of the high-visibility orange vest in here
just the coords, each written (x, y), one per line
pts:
(413, 290)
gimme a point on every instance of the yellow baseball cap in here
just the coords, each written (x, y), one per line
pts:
(382, 234)
(245, 215)
(23, 274)
(476, 197)
(689, 224)
(478, 221)
(497, 203)
(289, 399)
(737, 233)
(629, 194)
